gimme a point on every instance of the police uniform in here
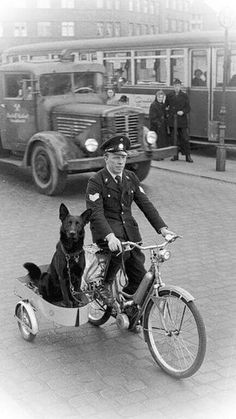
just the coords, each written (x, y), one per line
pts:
(174, 103)
(111, 205)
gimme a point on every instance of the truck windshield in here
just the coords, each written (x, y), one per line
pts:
(62, 83)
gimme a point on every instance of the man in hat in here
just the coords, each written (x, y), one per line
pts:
(110, 193)
(177, 105)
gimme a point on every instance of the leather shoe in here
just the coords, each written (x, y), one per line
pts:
(189, 159)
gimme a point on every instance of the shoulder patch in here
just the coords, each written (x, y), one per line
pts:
(94, 197)
(141, 189)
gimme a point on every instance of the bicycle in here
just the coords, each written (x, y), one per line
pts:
(173, 327)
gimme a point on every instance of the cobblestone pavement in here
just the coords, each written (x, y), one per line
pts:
(104, 372)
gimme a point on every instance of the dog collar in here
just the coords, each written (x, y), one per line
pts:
(69, 256)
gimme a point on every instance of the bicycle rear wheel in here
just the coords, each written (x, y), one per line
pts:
(175, 334)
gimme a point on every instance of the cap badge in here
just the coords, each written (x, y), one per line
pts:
(121, 147)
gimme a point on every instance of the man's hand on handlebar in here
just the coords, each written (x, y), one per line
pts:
(114, 243)
(167, 233)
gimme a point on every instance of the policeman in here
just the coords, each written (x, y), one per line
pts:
(110, 193)
(177, 104)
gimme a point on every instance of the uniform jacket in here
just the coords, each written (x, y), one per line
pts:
(112, 209)
(175, 103)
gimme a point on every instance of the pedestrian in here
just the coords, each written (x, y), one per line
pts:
(157, 119)
(199, 79)
(123, 100)
(110, 194)
(178, 107)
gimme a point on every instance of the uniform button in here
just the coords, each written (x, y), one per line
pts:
(122, 212)
(123, 222)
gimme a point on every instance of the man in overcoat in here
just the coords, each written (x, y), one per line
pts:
(110, 193)
(177, 105)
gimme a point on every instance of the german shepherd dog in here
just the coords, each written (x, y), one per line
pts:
(62, 280)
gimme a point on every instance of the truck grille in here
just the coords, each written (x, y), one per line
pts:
(128, 124)
(71, 126)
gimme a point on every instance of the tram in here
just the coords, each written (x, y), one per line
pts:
(140, 65)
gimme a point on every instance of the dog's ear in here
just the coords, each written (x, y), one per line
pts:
(86, 216)
(63, 212)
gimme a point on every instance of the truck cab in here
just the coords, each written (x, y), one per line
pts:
(54, 116)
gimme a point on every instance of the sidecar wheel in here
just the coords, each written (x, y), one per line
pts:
(27, 321)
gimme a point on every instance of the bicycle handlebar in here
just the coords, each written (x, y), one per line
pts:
(168, 239)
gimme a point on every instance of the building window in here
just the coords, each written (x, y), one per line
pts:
(152, 8)
(173, 25)
(21, 4)
(43, 4)
(146, 29)
(44, 29)
(1, 30)
(109, 29)
(109, 4)
(67, 4)
(99, 4)
(100, 29)
(138, 6)
(145, 6)
(20, 29)
(131, 29)
(67, 29)
(138, 29)
(131, 5)
(117, 29)
(117, 4)
(152, 30)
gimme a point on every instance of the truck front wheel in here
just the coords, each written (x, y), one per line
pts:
(140, 169)
(48, 179)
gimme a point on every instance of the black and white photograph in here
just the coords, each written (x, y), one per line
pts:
(118, 203)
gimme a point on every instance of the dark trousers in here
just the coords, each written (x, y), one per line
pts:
(182, 140)
(134, 268)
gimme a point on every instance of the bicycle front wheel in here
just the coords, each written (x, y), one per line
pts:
(99, 312)
(175, 334)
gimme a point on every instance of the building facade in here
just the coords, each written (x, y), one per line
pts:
(28, 21)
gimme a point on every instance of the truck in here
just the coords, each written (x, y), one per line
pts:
(54, 118)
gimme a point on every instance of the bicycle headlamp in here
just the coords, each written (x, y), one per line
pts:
(164, 254)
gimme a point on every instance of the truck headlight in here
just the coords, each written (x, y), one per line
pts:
(91, 145)
(151, 137)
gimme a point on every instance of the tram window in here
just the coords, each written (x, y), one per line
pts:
(176, 65)
(199, 68)
(118, 68)
(150, 67)
(231, 68)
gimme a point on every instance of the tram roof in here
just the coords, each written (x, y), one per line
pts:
(185, 39)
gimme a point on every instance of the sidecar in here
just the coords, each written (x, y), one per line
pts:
(32, 302)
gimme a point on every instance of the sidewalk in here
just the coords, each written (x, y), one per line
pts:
(203, 166)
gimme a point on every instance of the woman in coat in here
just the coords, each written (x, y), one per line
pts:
(157, 119)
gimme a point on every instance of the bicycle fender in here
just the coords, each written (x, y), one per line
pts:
(28, 307)
(185, 295)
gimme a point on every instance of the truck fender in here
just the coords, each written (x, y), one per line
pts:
(61, 147)
(28, 307)
(185, 295)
